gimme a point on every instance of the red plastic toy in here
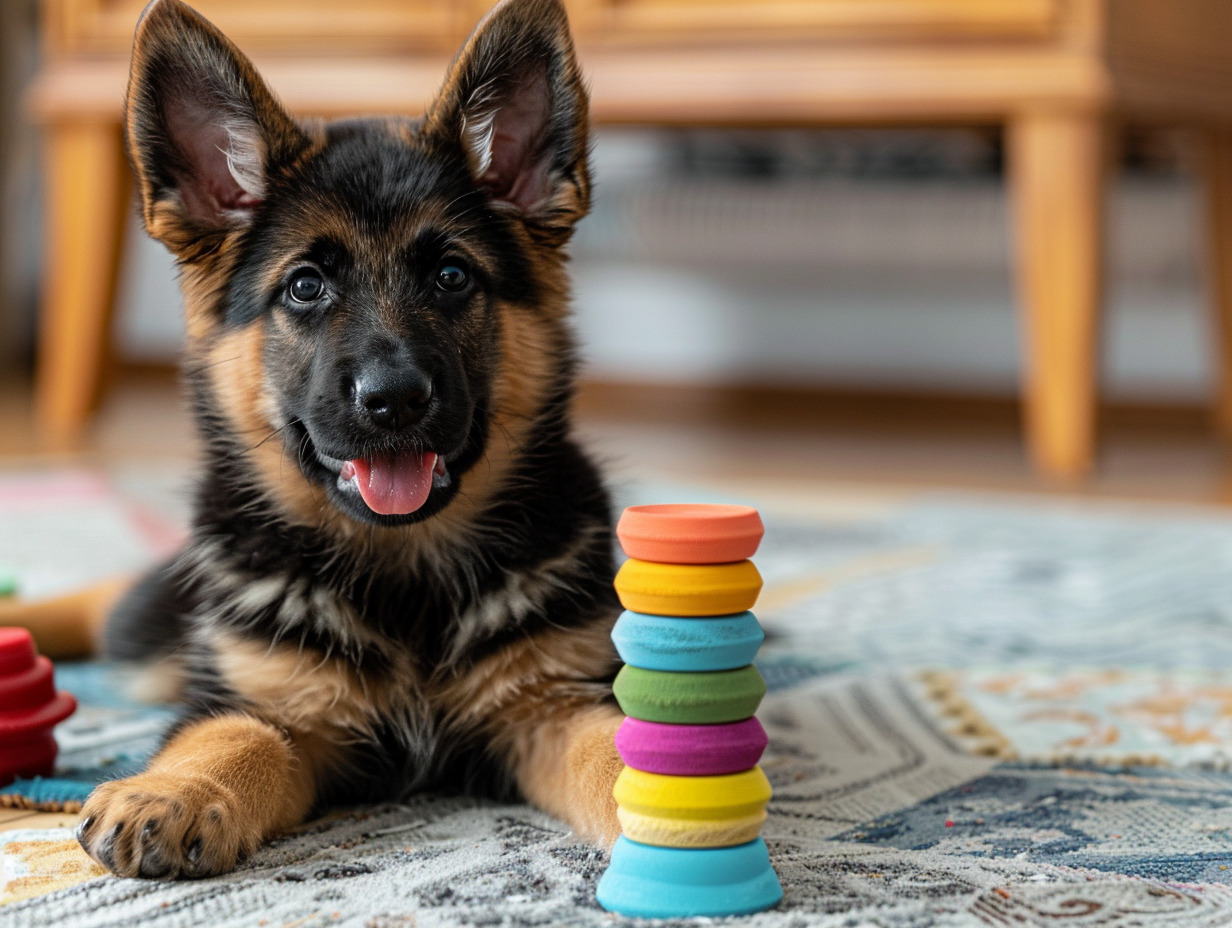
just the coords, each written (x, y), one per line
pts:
(29, 708)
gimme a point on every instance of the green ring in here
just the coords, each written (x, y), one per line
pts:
(708, 698)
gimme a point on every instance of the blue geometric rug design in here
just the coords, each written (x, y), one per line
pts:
(1142, 822)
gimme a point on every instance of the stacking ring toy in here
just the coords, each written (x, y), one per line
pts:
(662, 642)
(691, 798)
(689, 698)
(690, 534)
(691, 750)
(689, 832)
(687, 589)
(664, 882)
(691, 811)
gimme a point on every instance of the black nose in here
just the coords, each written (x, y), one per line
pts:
(392, 400)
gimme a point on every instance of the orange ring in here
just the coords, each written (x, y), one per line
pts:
(690, 533)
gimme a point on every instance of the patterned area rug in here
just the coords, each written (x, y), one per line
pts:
(985, 711)
(64, 529)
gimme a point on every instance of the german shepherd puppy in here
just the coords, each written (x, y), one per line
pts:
(400, 569)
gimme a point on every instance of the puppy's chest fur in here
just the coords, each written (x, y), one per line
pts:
(412, 655)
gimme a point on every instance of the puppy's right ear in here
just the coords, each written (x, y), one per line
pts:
(204, 132)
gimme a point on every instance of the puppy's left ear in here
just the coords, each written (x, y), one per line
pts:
(515, 106)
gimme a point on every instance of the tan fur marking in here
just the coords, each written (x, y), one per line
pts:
(532, 700)
(527, 359)
(552, 726)
(303, 690)
(566, 763)
(563, 660)
(162, 681)
(237, 377)
(238, 381)
(220, 788)
(251, 759)
(200, 285)
(518, 395)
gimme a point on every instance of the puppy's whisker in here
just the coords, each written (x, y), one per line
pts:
(272, 434)
(218, 362)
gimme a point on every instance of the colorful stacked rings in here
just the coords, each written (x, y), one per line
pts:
(691, 799)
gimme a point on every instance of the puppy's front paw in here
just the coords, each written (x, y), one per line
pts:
(163, 826)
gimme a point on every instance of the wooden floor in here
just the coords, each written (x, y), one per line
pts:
(14, 819)
(763, 440)
(831, 438)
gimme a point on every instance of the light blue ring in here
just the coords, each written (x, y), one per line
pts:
(660, 642)
(644, 881)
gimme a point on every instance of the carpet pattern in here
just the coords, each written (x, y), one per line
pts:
(1103, 716)
(112, 734)
(984, 712)
(451, 861)
(62, 529)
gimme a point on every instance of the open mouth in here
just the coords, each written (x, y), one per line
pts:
(390, 484)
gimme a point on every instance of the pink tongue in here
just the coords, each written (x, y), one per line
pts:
(392, 485)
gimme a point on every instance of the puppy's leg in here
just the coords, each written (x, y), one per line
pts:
(213, 795)
(565, 762)
(66, 626)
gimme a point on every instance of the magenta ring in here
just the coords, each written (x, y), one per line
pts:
(690, 750)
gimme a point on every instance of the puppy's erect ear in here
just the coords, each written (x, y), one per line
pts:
(515, 104)
(203, 130)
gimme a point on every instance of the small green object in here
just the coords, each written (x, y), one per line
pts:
(8, 582)
(709, 698)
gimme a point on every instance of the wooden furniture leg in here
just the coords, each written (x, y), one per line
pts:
(1056, 173)
(1216, 150)
(86, 209)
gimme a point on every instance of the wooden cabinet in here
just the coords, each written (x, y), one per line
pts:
(330, 27)
(700, 21)
(1055, 73)
(100, 27)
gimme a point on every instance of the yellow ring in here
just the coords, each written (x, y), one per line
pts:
(688, 589)
(728, 797)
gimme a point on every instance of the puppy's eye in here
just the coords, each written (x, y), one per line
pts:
(306, 287)
(453, 275)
